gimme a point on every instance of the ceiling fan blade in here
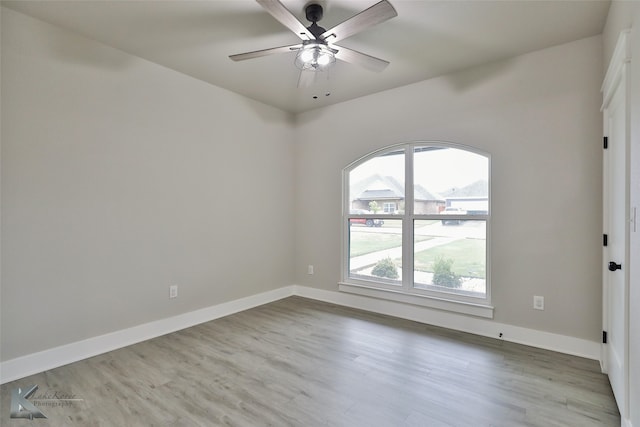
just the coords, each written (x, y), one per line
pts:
(264, 52)
(376, 14)
(286, 18)
(358, 58)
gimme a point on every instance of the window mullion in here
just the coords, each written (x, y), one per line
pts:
(407, 223)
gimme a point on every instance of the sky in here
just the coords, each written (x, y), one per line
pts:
(436, 170)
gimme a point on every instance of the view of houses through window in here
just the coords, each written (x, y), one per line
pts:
(417, 220)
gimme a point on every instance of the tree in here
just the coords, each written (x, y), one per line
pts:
(373, 206)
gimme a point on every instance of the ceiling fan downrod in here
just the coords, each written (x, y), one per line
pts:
(314, 13)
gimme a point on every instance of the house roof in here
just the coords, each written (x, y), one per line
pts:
(478, 188)
(378, 187)
(422, 193)
(379, 194)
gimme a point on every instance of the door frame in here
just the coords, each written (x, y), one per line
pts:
(617, 77)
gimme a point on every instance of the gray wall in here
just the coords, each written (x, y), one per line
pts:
(120, 178)
(113, 168)
(623, 15)
(538, 115)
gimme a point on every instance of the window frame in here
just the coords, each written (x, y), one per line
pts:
(407, 293)
(392, 205)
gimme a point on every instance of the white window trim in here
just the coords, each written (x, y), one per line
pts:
(406, 293)
(392, 205)
(462, 307)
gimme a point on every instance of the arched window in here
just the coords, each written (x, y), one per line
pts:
(416, 224)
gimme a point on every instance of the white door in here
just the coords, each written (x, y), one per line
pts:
(617, 262)
(616, 217)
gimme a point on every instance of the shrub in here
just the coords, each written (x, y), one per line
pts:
(442, 274)
(385, 268)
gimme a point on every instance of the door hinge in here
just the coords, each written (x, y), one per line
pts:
(606, 142)
(605, 239)
(604, 337)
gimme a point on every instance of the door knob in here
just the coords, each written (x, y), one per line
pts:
(613, 266)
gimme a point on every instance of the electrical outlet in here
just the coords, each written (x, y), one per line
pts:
(310, 269)
(173, 291)
(538, 302)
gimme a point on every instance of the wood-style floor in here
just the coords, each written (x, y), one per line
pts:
(298, 362)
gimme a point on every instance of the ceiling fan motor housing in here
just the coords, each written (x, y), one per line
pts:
(313, 12)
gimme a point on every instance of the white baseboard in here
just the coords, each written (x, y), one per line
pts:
(48, 359)
(34, 363)
(475, 325)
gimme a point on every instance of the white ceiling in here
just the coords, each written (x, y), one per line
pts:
(428, 38)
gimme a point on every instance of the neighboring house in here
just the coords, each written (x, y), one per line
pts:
(427, 202)
(473, 198)
(388, 193)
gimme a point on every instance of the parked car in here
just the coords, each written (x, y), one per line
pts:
(369, 222)
(452, 211)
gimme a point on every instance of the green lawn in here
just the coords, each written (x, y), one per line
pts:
(468, 255)
(364, 243)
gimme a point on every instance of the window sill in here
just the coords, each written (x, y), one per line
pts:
(479, 310)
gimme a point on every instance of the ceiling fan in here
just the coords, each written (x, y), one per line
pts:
(318, 50)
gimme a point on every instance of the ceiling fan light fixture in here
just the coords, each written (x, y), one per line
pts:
(315, 57)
